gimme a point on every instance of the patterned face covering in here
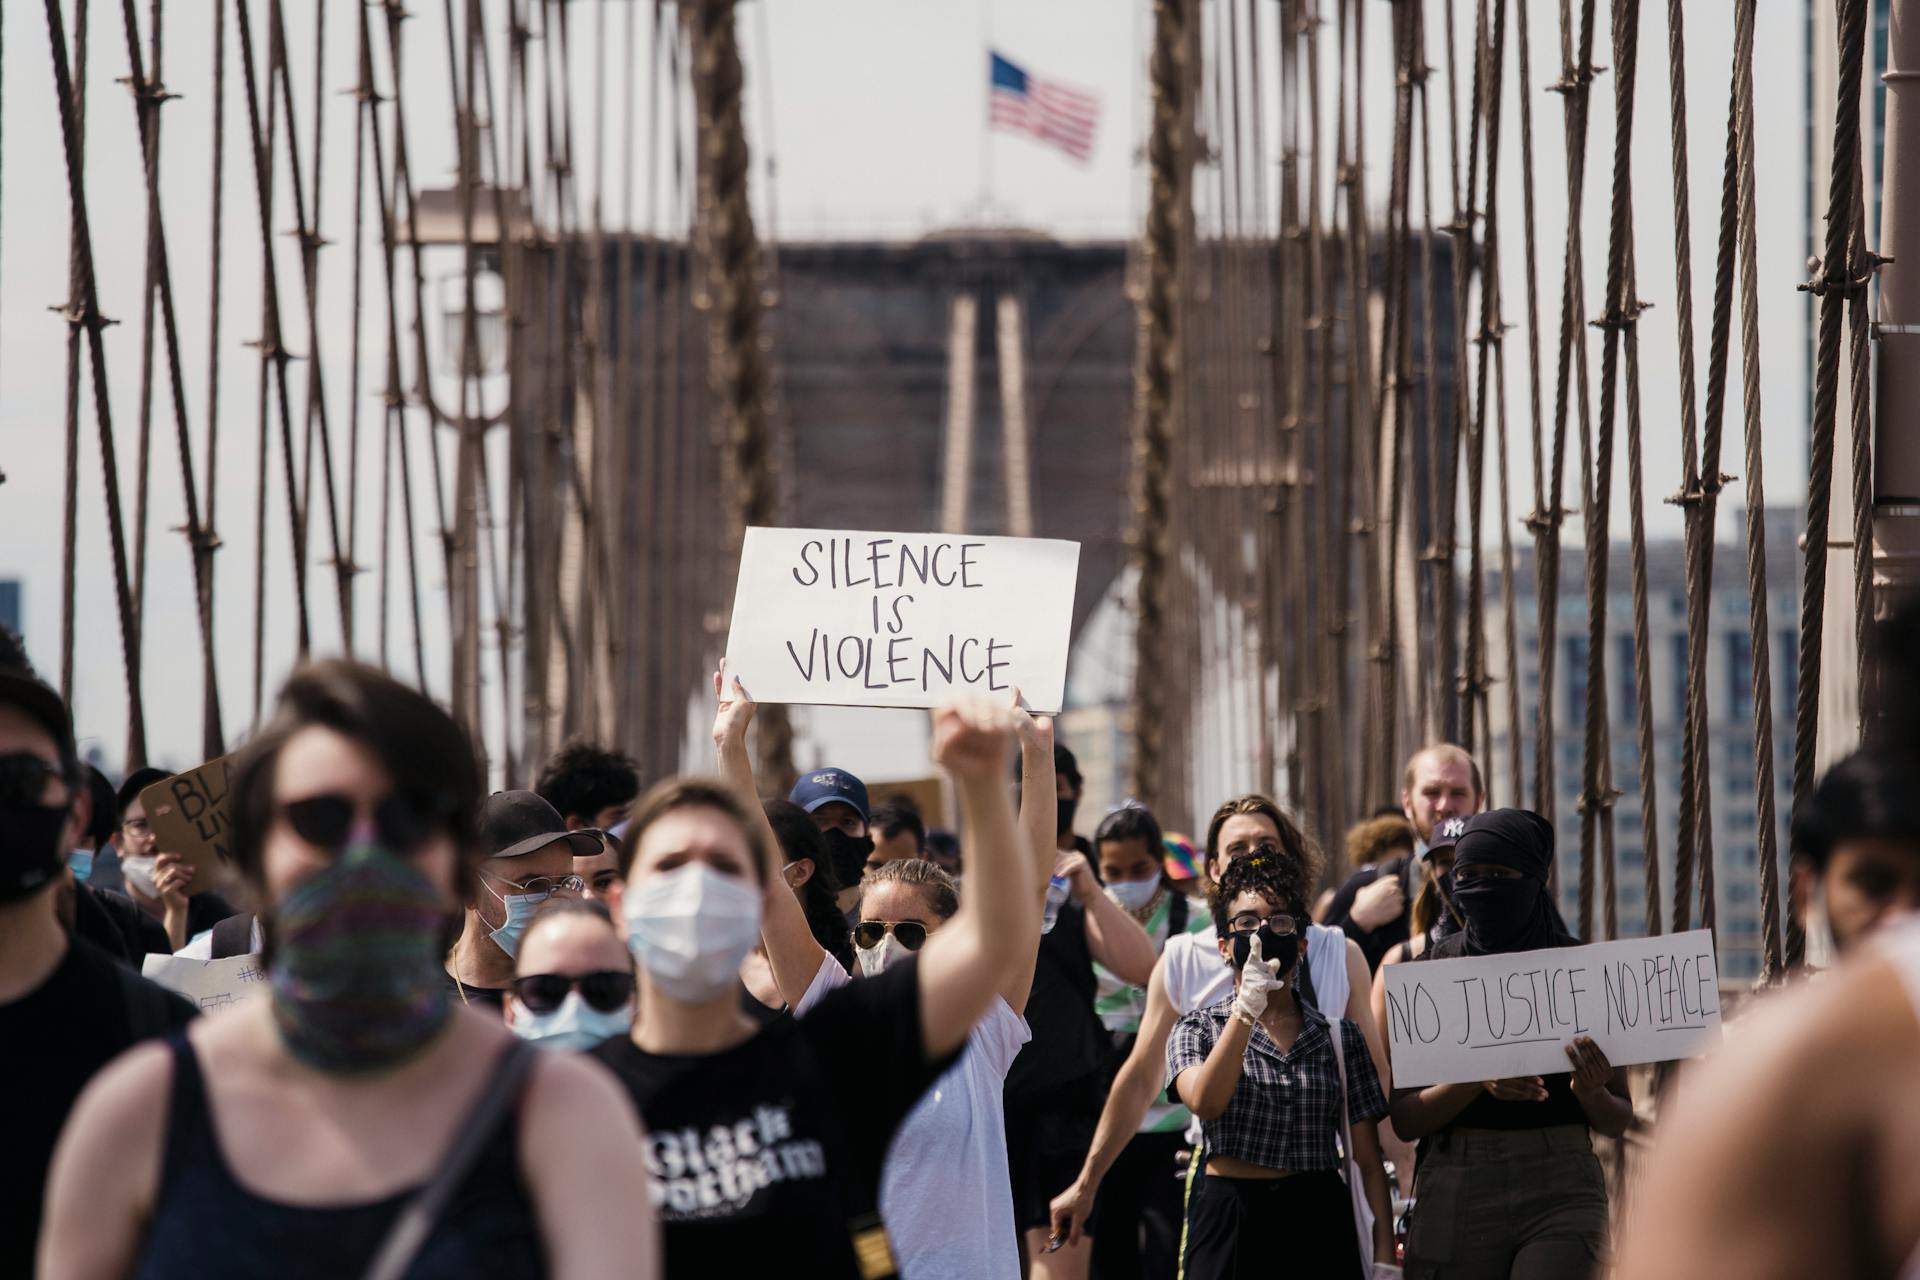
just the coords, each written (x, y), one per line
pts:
(357, 979)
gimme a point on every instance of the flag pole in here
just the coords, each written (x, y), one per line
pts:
(986, 116)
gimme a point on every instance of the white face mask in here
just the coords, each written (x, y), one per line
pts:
(877, 960)
(575, 1025)
(138, 870)
(1133, 895)
(689, 929)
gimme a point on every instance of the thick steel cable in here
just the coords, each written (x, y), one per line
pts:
(1575, 82)
(86, 316)
(1833, 287)
(1155, 415)
(273, 353)
(147, 98)
(1540, 521)
(1861, 263)
(149, 94)
(70, 509)
(1434, 659)
(213, 731)
(1767, 847)
(1472, 680)
(363, 99)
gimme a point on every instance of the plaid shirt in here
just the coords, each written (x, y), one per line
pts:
(1284, 1111)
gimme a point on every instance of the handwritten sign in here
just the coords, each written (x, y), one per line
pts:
(190, 817)
(1488, 1017)
(901, 619)
(210, 984)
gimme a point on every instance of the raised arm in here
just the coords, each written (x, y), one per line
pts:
(792, 951)
(1037, 821)
(1140, 1077)
(977, 954)
(1114, 938)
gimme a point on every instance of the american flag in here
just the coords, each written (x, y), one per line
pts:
(1043, 109)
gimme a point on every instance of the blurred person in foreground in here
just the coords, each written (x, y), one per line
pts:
(289, 1137)
(1799, 1154)
(66, 1009)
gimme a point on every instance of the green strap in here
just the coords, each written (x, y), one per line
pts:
(1186, 1203)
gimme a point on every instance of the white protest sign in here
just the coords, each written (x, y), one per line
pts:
(210, 984)
(901, 619)
(1490, 1017)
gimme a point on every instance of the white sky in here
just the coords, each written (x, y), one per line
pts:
(876, 111)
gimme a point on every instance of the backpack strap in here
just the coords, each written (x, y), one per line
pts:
(416, 1221)
(1177, 912)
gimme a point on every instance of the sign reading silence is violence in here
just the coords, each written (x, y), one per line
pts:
(1500, 1016)
(901, 619)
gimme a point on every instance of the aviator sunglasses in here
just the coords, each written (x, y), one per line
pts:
(327, 821)
(604, 991)
(868, 933)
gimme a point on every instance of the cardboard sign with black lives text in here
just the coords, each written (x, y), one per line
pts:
(849, 618)
(190, 816)
(1499, 1016)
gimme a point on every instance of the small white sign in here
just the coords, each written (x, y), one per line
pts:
(1492, 1017)
(210, 984)
(851, 618)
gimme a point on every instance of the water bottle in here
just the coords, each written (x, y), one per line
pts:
(1059, 889)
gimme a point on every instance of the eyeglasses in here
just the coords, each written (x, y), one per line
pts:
(326, 821)
(137, 827)
(911, 933)
(544, 884)
(603, 991)
(1247, 922)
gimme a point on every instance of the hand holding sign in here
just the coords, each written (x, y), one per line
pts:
(189, 815)
(1591, 1070)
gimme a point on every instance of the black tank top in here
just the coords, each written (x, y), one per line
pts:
(206, 1226)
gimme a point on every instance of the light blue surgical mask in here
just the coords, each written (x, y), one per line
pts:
(80, 862)
(575, 1026)
(520, 908)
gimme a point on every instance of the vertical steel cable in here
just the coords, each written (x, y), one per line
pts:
(70, 509)
(147, 99)
(149, 94)
(1155, 414)
(213, 731)
(1833, 286)
(1756, 500)
(84, 314)
(363, 100)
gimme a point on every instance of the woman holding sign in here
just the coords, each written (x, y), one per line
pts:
(1288, 1101)
(1508, 1186)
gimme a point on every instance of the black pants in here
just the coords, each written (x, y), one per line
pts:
(1137, 1215)
(1260, 1227)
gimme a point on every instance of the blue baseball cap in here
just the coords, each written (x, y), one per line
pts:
(825, 786)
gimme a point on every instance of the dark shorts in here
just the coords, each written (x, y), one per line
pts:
(1048, 1134)
(1526, 1204)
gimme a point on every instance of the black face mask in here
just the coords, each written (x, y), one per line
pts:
(30, 852)
(1273, 946)
(847, 855)
(1501, 914)
(1063, 821)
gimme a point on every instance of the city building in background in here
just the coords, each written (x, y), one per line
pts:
(1730, 715)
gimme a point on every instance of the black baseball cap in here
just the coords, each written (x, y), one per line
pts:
(1446, 834)
(513, 823)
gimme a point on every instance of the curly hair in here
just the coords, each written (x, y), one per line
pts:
(582, 779)
(1280, 880)
(1378, 839)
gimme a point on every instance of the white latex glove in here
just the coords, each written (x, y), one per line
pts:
(1386, 1271)
(1259, 982)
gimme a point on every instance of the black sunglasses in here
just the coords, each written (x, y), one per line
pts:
(605, 991)
(867, 934)
(326, 821)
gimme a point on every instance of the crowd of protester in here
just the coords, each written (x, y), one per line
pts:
(616, 1026)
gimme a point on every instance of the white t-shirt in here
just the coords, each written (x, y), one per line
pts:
(945, 1191)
